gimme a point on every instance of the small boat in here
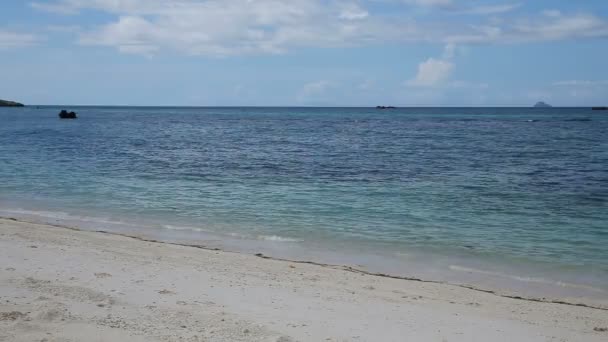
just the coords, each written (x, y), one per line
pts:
(64, 114)
(385, 107)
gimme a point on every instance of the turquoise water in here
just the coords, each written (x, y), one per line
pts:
(502, 197)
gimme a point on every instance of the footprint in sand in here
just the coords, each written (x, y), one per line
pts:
(103, 275)
(11, 316)
(285, 339)
(166, 292)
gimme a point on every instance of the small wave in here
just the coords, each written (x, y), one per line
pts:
(240, 236)
(277, 238)
(172, 227)
(274, 238)
(578, 120)
(524, 279)
(40, 213)
(60, 215)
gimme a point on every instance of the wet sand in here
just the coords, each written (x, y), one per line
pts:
(59, 284)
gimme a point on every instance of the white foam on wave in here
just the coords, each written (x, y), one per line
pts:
(273, 238)
(60, 216)
(172, 227)
(525, 279)
(240, 236)
(403, 255)
(277, 238)
(40, 213)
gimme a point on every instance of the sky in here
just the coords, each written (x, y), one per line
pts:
(304, 52)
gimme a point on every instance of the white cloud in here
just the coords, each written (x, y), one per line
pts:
(9, 39)
(491, 9)
(432, 72)
(316, 92)
(352, 11)
(429, 2)
(581, 83)
(455, 7)
(468, 85)
(449, 51)
(61, 8)
(315, 88)
(230, 27)
(367, 84)
(112, 6)
(435, 72)
(552, 13)
(536, 29)
(563, 27)
(63, 28)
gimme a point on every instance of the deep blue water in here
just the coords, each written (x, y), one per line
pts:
(498, 189)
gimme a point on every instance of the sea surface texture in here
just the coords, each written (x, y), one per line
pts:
(514, 199)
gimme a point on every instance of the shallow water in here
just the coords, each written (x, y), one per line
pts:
(502, 197)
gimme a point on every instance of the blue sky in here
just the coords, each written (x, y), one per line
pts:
(304, 52)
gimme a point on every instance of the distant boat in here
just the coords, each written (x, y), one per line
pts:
(385, 107)
(64, 114)
(599, 108)
(542, 104)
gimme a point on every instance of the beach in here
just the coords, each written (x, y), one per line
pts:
(502, 199)
(61, 284)
(313, 170)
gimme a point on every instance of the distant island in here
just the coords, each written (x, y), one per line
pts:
(542, 104)
(4, 103)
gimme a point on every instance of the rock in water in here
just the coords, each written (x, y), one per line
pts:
(542, 104)
(64, 114)
(4, 103)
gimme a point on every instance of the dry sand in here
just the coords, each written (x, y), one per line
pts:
(58, 284)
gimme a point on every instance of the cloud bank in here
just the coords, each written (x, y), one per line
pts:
(237, 27)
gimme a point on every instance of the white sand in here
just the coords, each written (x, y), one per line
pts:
(58, 284)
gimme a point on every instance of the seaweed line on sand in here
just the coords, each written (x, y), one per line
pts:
(332, 266)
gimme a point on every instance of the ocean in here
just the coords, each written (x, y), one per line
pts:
(507, 199)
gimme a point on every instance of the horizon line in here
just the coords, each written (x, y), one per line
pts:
(304, 106)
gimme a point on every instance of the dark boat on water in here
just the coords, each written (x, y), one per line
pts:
(64, 114)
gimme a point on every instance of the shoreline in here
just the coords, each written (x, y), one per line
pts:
(597, 302)
(346, 268)
(50, 270)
